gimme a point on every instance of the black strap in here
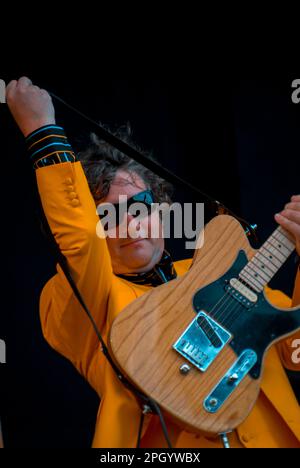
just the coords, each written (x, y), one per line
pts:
(148, 404)
(159, 170)
(140, 430)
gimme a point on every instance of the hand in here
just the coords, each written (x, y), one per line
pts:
(289, 219)
(30, 106)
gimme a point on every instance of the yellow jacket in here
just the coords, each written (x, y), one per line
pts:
(70, 209)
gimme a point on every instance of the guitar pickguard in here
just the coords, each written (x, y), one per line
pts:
(253, 324)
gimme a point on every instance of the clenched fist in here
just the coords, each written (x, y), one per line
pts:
(31, 107)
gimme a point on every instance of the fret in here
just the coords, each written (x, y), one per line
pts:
(258, 273)
(274, 253)
(288, 237)
(261, 263)
(283, 245)
(283, 242)
(258, 277)
(278, 244)
(251, 281)
(267, 261)
(279, 253)
(270, 257)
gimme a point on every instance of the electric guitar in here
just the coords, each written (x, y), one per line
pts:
(197, 344)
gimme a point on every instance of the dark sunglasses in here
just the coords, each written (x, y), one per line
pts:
(146, 197)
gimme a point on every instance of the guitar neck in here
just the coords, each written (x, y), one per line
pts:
(268, 259)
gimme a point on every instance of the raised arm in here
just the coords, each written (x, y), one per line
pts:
(71, 213)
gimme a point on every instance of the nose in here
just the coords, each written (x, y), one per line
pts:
(129, 218)
(125, 222)
(132, 225)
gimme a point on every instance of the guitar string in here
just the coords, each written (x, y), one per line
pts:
(233, 318)
(227, 300)
(223, 314)
(222, 318)
(235, 315)
(227, 312)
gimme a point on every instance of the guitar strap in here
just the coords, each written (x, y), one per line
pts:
(164, 173)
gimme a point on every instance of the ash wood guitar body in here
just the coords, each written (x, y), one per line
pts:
(143, 336)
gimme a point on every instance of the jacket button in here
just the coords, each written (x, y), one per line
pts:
(69, 180)
(75, 202)
(72, 195)
(70, 188)
(245, 438)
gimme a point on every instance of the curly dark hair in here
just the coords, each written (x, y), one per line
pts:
(101, 161)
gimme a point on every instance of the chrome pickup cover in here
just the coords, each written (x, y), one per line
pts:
(202, 341)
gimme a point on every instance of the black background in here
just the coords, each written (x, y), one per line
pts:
(236, 138)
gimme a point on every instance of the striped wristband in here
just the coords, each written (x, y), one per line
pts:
(49, 145)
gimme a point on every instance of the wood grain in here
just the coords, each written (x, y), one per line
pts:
(143, 334)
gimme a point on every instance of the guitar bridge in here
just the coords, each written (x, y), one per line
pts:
(202, 341)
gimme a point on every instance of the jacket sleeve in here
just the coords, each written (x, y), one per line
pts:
(289, 349)
(71, 213)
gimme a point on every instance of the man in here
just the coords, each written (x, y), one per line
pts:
(111, 273)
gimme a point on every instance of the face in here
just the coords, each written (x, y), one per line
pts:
(133, 254)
